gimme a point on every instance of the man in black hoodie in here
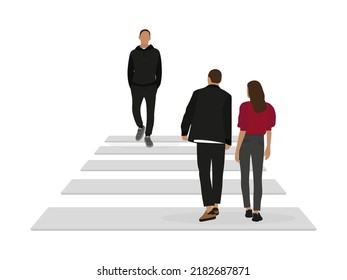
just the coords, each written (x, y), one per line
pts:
(208, 116)
(144, 77)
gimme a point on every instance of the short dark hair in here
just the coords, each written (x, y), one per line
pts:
(215, 75)
(143, 30)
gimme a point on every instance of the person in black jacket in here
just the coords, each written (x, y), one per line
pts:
(144, 77)
(208, 116)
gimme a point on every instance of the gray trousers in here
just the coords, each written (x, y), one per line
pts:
(252, 147)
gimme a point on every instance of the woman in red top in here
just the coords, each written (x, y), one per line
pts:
(256, 118)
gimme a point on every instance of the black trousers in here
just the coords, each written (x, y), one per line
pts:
(252, 146)
(207, 154)
(149, 94)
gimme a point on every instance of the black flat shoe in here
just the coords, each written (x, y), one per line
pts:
(257, 217)
(249, 213)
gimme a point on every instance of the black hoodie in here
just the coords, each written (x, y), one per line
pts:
(144, 67)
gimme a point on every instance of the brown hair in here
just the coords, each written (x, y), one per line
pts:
(215, 75)
(257, 96)
(143, 30)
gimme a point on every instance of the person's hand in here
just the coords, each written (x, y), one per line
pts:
(185, 138)
(267, 152)
(237, 156)
(227, 147)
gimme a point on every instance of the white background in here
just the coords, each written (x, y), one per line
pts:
(64, 89)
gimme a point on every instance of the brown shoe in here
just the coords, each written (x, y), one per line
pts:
(207, 216)
(216, 211)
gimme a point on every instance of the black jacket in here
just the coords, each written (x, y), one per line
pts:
(208, 115)
(144, 67)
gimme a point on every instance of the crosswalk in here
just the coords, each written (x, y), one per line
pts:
(159, 218)
(156, 150)
(161, 138)
(167, 218)
(159, 186)
(150, 165)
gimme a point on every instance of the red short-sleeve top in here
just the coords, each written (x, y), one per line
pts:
(256, 123)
